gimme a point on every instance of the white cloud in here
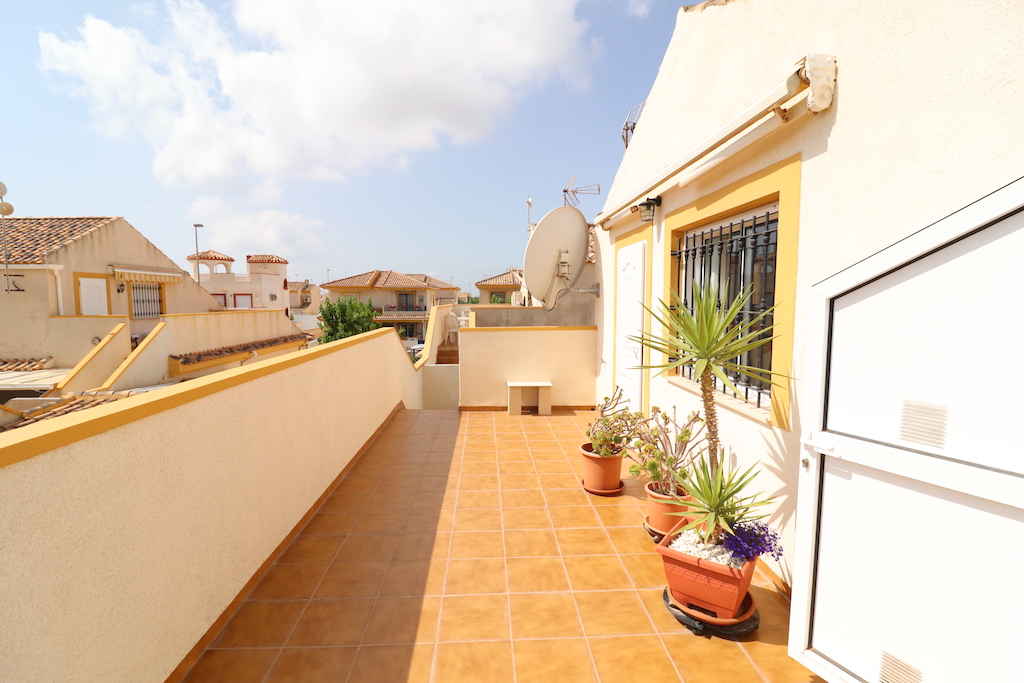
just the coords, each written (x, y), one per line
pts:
(314, 89)
(237, 232)
(639, 8)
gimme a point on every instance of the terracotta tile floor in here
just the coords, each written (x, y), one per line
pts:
(461, 548)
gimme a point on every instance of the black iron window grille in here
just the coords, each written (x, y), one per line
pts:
(734, 256)
(145, 300)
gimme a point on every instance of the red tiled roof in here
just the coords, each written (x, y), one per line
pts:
(433, 281)
(30, 240)
(401, 316)
(211, 354)
(513, 277)
(209, 255)
(69, 403)
(26, 364)
(264, 258)
(381, 279)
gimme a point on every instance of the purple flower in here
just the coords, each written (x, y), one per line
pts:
(753, 539)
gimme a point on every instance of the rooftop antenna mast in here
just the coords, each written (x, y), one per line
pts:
(569, 192)
(529, 221)
(630, 125)
(5, 210)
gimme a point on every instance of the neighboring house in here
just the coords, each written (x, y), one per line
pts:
(503, 289)
(87, 293)
(401, 301)
(851, 193)
(303, 298)
(263, 285)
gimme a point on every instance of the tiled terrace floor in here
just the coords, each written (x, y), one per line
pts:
(460, 548)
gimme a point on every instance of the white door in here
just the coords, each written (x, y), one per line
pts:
(629, 320)
(915, 491)
(92, 296)
(243, 300)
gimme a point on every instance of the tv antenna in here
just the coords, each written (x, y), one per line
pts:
(5, 210)
(630, 125)
(569, 192)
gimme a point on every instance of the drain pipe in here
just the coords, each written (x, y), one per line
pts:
(815, 78)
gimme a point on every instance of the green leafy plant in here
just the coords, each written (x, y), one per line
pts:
(717, 500)
(615, 428)
(664, 448)
(345, 317)
(711, 339)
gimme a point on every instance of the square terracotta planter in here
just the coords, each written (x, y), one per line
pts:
(708, 585)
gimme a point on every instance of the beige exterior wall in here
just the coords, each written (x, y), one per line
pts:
(894, 153)
(96, 366)
(266, 282)
(182, 334)
(123, 541)
(491, 356)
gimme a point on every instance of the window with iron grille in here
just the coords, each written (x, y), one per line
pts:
(145, 300)
(734, 255)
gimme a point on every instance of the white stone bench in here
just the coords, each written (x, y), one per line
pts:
(515, 397)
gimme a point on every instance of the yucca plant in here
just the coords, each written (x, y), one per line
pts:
(711, 339)
(717, 501)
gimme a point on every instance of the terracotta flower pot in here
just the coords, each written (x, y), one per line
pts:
(601, 475)
(658, 509)
(705, 584)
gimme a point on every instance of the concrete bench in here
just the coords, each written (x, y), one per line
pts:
(515, 397)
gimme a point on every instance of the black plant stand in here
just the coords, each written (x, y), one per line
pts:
(724, 628)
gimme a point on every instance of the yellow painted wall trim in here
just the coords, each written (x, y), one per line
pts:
(526, 329)
(59, 387)
(12, 411)
(778, 182)
(431, 323)
(133, 356)
(176, 368)
(76, 276)
(42, 437)
(279, 311)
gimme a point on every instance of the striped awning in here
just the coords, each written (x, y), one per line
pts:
(131, 274)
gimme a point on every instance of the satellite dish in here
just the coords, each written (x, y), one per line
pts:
(3, 190)
(555, 254)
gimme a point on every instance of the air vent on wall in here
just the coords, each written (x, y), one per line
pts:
(895, 670)
(924, 423)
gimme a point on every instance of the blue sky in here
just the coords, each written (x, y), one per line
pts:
(347, 135)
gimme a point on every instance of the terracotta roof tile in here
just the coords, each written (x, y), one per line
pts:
(432, 281)
(30, 240)
(513, 277)
(211, 354)
(26, 364)
(68, 403)
(382, 279)
(209, 255)
(264, 258)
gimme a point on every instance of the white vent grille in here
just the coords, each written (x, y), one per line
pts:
(895, 670)
(924, 423)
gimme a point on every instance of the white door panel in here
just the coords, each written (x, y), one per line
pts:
(630, 286)
(92, 295)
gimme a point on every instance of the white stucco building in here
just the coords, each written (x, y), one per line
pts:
(764, 172)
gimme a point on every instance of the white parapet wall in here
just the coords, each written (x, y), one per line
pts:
(491, 356)
(127, 529)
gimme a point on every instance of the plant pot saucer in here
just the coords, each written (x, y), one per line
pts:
(656, 534)
(703, 624)
(603, 492)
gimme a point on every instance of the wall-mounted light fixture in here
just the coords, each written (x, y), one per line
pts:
(120, 288)
(647, 208)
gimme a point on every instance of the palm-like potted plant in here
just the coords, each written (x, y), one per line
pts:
(711, 339)
(608, 438)
(664, 453)
(709, 560)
